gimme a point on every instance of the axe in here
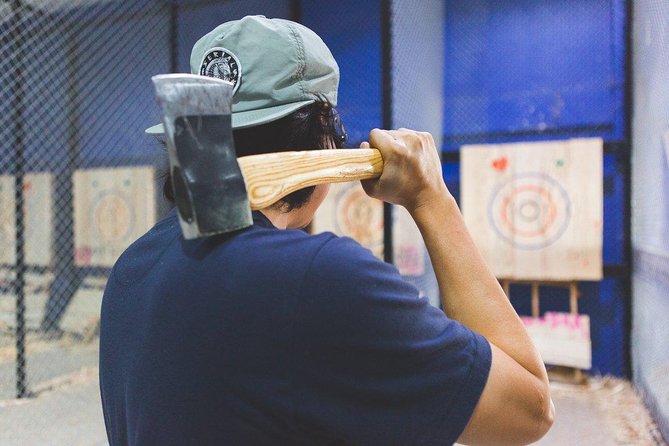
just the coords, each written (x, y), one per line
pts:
(214, 190)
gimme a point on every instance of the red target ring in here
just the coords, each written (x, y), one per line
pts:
(357, 217)
(529, 211)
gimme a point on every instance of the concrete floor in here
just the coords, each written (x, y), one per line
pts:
(605, 412)
(69, 415)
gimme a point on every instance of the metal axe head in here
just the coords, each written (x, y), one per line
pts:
(209, 189)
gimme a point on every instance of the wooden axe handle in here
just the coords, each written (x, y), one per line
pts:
(270, 177)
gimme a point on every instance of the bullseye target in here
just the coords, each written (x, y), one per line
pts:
(529, 211)
(112, 208)
(348, 211)
(113, 215)
(535, 209)
(357, 216)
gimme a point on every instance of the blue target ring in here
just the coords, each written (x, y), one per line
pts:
(529, 211)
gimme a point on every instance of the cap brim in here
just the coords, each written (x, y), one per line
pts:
(250, 118)
(156, 130)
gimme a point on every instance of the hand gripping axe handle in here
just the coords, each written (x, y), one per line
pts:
(214, 191)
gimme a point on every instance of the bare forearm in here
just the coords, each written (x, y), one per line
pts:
(515, 404)
(470, 293)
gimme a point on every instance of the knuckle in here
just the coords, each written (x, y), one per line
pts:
(398, 148)
(413, 138)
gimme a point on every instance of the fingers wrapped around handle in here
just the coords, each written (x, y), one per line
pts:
(412, 168)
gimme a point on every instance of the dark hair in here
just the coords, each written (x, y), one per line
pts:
(314, 126)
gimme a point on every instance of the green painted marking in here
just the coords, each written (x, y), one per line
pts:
(559, 163)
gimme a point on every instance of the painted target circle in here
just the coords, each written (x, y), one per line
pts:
(530, 210)
(113, 216)
(358, 218)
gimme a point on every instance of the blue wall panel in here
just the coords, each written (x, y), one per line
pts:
(195, 21)
(43, 112)
(526, 67)
(352, 31)
(614, 211)
(114, 64)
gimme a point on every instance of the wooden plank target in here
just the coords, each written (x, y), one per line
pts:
(535, 210)
(38, 217)
(408, 245)
(410, 256)
(349, 211)
(562, 338)
(112, 208)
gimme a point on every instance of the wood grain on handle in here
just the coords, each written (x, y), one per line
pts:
(270, 177)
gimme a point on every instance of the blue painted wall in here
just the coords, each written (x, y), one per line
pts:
(195, 20)
(114, 64)
(519, 67)
(352, 31)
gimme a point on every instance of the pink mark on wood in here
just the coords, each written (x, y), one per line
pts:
(83, 256)
(557, 322)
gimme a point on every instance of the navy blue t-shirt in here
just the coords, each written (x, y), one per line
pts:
(271, 336)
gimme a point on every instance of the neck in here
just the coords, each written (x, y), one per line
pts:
(280, 220)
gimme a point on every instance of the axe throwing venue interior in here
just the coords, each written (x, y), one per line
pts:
(551, 123)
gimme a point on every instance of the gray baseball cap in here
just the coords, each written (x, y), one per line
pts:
(277, 66)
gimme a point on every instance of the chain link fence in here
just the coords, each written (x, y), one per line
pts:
(75, 99)
(79, 181)
(416, 103)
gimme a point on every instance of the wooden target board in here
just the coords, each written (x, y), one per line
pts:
(408, 245)
(38, 218)
(7, 220)
(562, 338)
(535, 210)
(112, 208)
(410, 256)
(349, 211)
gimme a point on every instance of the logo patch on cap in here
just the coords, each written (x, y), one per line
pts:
(222, 64)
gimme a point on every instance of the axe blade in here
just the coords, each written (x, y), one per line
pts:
(209, 188)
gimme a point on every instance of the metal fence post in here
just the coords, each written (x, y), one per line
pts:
(19, 167)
